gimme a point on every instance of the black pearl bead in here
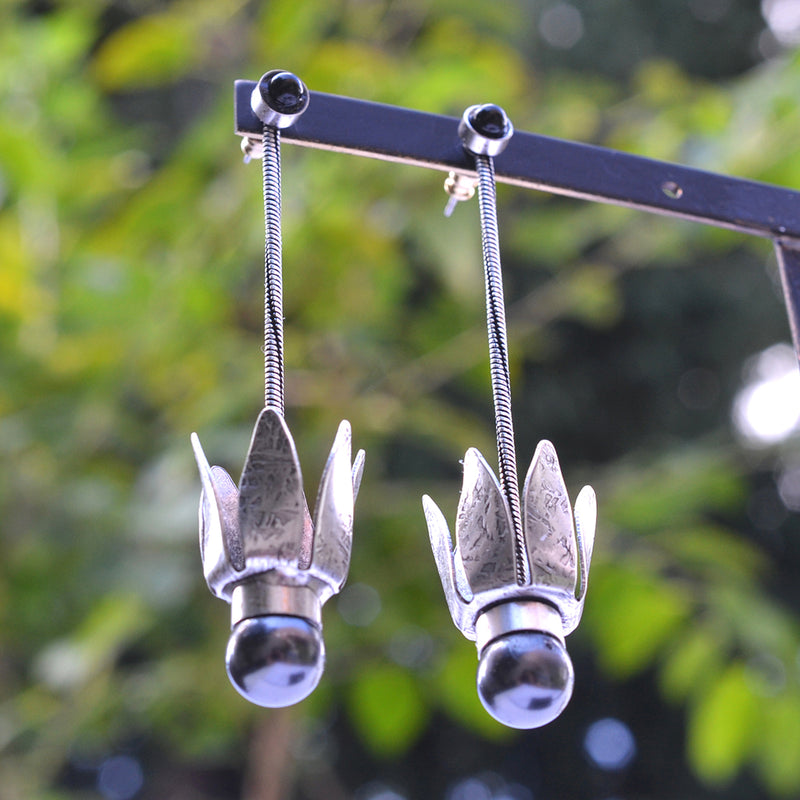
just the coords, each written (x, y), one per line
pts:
(275, 661)
(489, 120)
(283, 92)
(525, 679)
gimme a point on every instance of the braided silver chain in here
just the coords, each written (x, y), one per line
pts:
(498, 356)
(273, 272)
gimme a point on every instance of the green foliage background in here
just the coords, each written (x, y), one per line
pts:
(131, 249)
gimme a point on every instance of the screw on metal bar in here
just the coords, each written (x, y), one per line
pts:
(672, 190)
(460, 187)
(251, 148)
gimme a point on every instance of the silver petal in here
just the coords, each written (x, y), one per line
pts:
(484, 530)
(442, 546)
(220, 545)
(271, 500)
(358, 472)
(585, 525)
(333, 515)
(547, 522)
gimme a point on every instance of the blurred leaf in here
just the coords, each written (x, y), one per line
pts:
(673, 490)
(594, 295)
(387, 709)
(631, 615)
(777, 750)
(759, 623)
(692, 663)
(148, 51)
(722, 726)
(113, 623)
(715, 553)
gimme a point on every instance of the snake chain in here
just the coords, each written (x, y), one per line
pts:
(273, 272)
(498, 355)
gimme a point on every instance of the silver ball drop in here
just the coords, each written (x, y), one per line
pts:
(525, 679)
(275, 661)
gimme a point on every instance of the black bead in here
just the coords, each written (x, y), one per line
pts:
(284, 92)
(490, 121)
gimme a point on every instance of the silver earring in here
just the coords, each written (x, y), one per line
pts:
(515, 583)
(260, 549)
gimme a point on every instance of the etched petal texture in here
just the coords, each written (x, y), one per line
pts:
(547, 522)
(484, 529)
(271, 501)
(333, 515)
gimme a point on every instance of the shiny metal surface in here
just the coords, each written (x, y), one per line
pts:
(279, 98)
(479, 571)
(259, 597)
(480, 140)
(271, 501)
(459, 188)
(485, 529)
(264, 525)
(251, 148)
(498, 353)
(550, 536)
(517, 575)
(525, 679)
(273, 270)
(513, 616)
(262, 553)
(275, 661)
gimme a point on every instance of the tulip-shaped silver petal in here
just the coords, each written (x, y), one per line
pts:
(262, 553)
(525, 675)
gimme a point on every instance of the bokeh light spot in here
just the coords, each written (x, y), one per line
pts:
(120, 778)
(561, 26)
(359, 605)
(783, 18)
(609, 744)
(767, 409)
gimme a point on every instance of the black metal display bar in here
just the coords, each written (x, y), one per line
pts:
(390, 133)
(537, 162)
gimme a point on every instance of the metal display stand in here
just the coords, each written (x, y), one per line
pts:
(389, 133)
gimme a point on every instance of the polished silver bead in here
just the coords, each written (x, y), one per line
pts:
(525, 679)
(275, 661)
(279, 98)
(485, 130)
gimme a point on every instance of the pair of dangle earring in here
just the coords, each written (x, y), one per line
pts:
(260, 549)
(515, 582)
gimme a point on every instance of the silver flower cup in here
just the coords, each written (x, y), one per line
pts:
(262, 553)
(517, 600)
